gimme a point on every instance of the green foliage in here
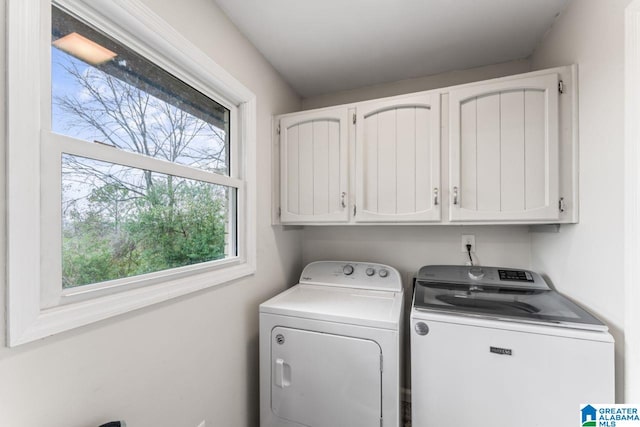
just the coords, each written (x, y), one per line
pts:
(176, 223)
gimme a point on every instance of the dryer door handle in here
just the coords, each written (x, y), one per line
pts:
(282, 375)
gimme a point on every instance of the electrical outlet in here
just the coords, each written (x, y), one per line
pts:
(468, 239)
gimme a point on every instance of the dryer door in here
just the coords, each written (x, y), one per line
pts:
(325, 380)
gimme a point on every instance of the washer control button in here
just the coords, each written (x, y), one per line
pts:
(476, 273)
(421, 328)
(383, 272)
(370, 271)
(348, 269)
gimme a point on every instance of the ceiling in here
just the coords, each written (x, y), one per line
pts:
(323, 46)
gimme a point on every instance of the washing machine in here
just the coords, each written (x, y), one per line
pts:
(497, 347)
(330, 348)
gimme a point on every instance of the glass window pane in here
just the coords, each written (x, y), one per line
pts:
(119, 221)
(105, 93)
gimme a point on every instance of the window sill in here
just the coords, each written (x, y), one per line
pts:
(65, 317)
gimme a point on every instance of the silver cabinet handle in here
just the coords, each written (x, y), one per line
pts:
(455, 195)
(342, 201)
(435, 197)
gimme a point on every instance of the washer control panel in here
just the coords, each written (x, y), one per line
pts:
(363, 275)
(485, 276)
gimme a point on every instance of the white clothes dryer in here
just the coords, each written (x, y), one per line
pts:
(330, 348)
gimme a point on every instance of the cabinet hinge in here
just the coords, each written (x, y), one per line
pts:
(278, 129)
(279, 211)
(354, 118)
(561, 205)
(354, 210)
(561, 86)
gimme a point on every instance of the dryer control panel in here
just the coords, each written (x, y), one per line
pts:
(348, 274)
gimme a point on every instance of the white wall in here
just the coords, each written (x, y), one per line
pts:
(185, 360)
(434, 81)
(407, 248)
(585, 261)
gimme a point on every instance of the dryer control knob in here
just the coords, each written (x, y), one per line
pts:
(348, 269)
(383, 272)
(370, 271)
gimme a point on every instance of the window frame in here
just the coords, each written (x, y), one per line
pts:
(36, 305)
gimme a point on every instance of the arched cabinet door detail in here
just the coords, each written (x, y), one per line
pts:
(314, 167)
(504, 154)
(398, 160)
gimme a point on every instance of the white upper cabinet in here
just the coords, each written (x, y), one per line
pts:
(313, 167)
(398, 160)
(504, 150)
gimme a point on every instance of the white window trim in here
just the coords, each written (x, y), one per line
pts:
(139, 28)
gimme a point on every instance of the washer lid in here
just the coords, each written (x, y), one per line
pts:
(519, 304)
(364, 307)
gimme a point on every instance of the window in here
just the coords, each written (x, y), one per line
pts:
(134, 183)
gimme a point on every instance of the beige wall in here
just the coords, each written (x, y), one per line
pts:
(415, 85)
(585, 260)
(186, 360)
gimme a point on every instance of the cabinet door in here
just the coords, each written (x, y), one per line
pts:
(398, 160)
(313, 165)
(504, 150)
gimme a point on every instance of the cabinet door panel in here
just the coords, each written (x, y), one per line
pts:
(512, 159)
(467, 190)
(488, 153)
(535, 154)
(336, 173)
(291, 179)
(321, 181)
(426, 154)
(504, 150)
(387, 167)
(406, 161)
(305, 167)
(367, 196)
(398, 160)
(314, 174)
